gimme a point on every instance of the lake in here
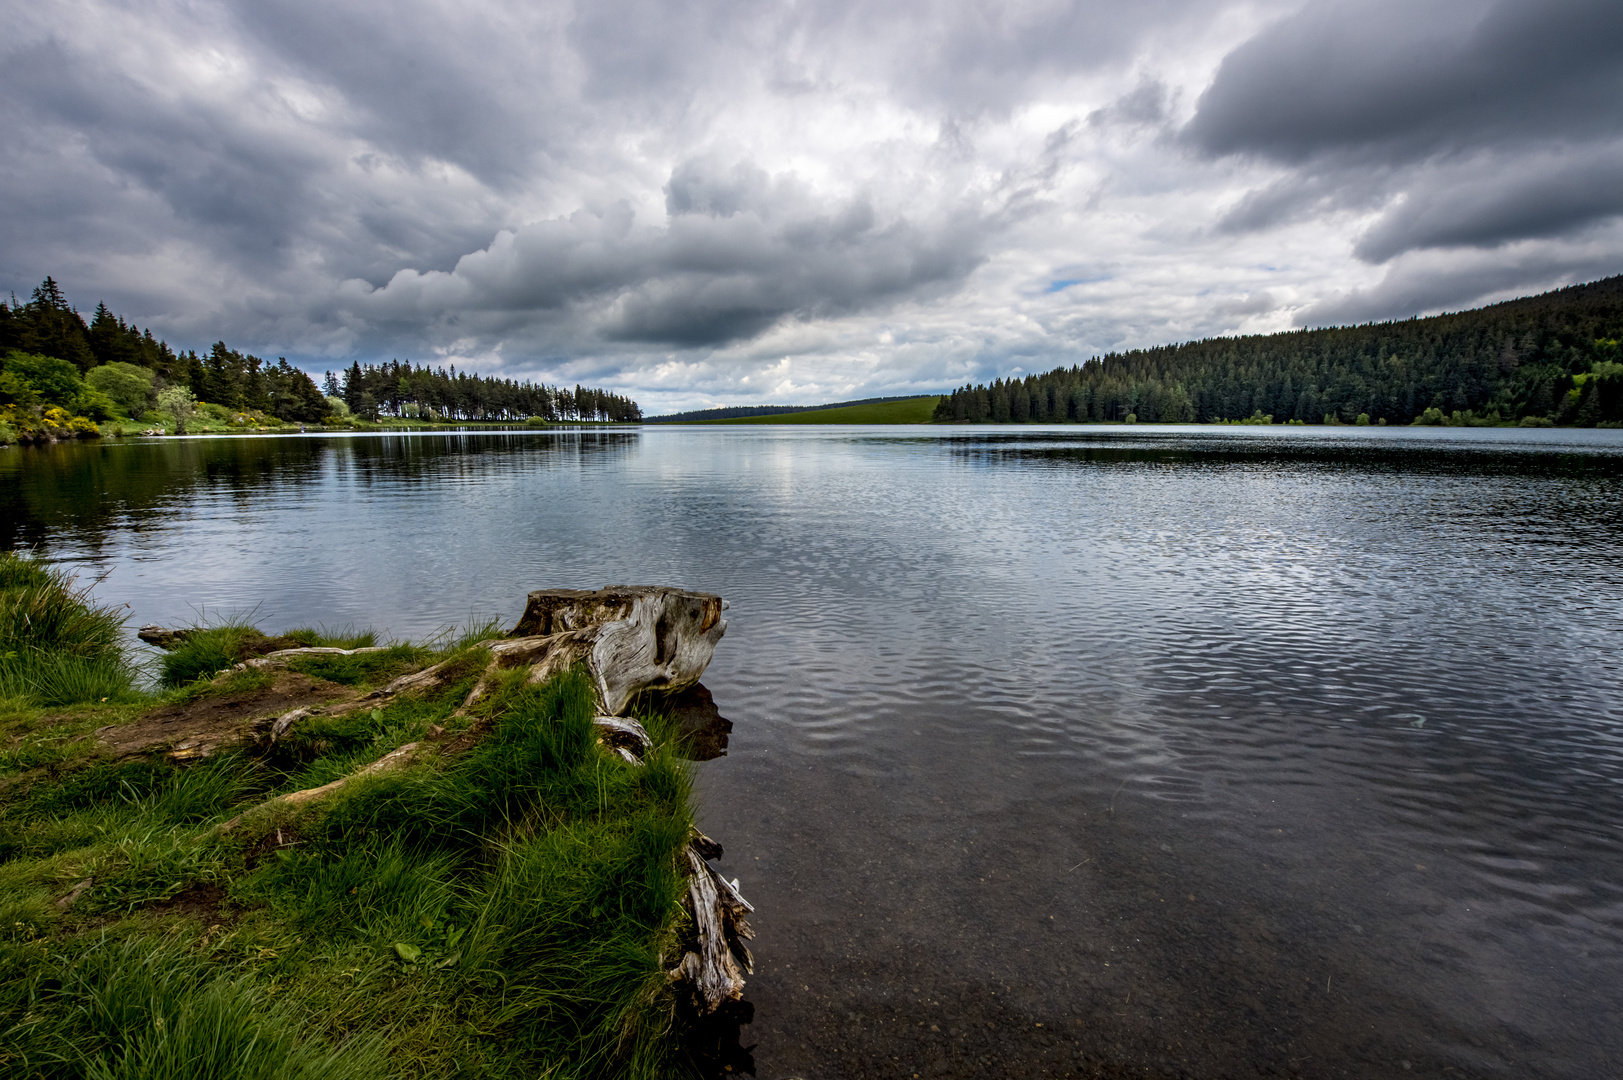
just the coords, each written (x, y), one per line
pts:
(1072, 751)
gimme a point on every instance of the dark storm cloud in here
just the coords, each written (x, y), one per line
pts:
(1428, 284)
(1300, 196)
(1461, 125)
(208, 169)
(464, 85)
(1490, 202)
(140, 156)
(1397, 82)
(965, 56)
(741, 252)
(975, 57)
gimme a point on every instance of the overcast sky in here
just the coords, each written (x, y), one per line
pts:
(703, 202)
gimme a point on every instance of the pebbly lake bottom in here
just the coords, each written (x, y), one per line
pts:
(1057, 752)
(1122, 941)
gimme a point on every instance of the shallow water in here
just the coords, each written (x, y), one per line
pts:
(1074, 751)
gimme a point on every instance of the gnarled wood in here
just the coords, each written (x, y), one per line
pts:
(624, 736)
(632, 637)
(280, 658)
(164, 637)
(394, 760)
(630, 640)
(715, 970)
(228, 720)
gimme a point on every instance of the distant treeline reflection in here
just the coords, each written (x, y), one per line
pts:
(89, 489)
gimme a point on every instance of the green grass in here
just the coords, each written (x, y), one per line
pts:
(910, 411)
(57, 646)
(212, 649)
(506, 912)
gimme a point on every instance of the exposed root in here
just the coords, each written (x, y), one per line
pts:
(393, 761)
(715, 969)
(281, 657)
(629, 640)
(164, 637)
(624, 736)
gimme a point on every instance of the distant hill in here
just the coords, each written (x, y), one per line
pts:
(735, 412)
(1548, 359)
(917, 410)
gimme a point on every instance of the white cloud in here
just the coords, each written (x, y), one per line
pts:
(712, 201)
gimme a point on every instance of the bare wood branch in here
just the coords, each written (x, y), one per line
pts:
(280, 658)
(625, 736)
(394, 760)
(162, 636)
(713, 971)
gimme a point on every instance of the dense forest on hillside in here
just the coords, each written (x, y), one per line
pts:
(405, 390)
(58, 375)
(1548, 359)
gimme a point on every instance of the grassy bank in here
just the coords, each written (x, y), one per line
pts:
(908, 411)
(507, 909)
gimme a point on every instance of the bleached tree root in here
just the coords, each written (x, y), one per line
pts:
(629, 640)
(714, 970)
(393, 761)
(281, 657)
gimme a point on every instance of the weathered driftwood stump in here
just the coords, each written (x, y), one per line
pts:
(162, 636)
(631, 640)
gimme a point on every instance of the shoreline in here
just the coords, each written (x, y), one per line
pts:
(474, 853)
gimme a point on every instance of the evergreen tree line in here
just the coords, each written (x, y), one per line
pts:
(398, 389)
(1548, 359)
(50, 358)
(121, 369)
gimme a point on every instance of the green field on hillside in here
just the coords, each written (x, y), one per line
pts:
(910, 411)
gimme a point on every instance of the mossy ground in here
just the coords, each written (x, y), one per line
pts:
(508, 910)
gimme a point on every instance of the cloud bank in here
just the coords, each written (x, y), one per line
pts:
(708, 202)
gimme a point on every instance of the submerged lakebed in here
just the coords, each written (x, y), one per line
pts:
(1065, 751)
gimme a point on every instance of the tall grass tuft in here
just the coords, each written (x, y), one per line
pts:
(208, 651)
(149, 1008)
(537, 875)
(211, 649)
(57, 646)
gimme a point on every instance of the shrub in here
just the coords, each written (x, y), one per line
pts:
(178, 405)
(129, 386)
(56, 381)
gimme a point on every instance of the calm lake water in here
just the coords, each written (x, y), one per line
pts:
(1068, 751)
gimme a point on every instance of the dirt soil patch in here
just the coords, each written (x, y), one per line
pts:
(263, 646)
(198, 728)
(206, 902)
